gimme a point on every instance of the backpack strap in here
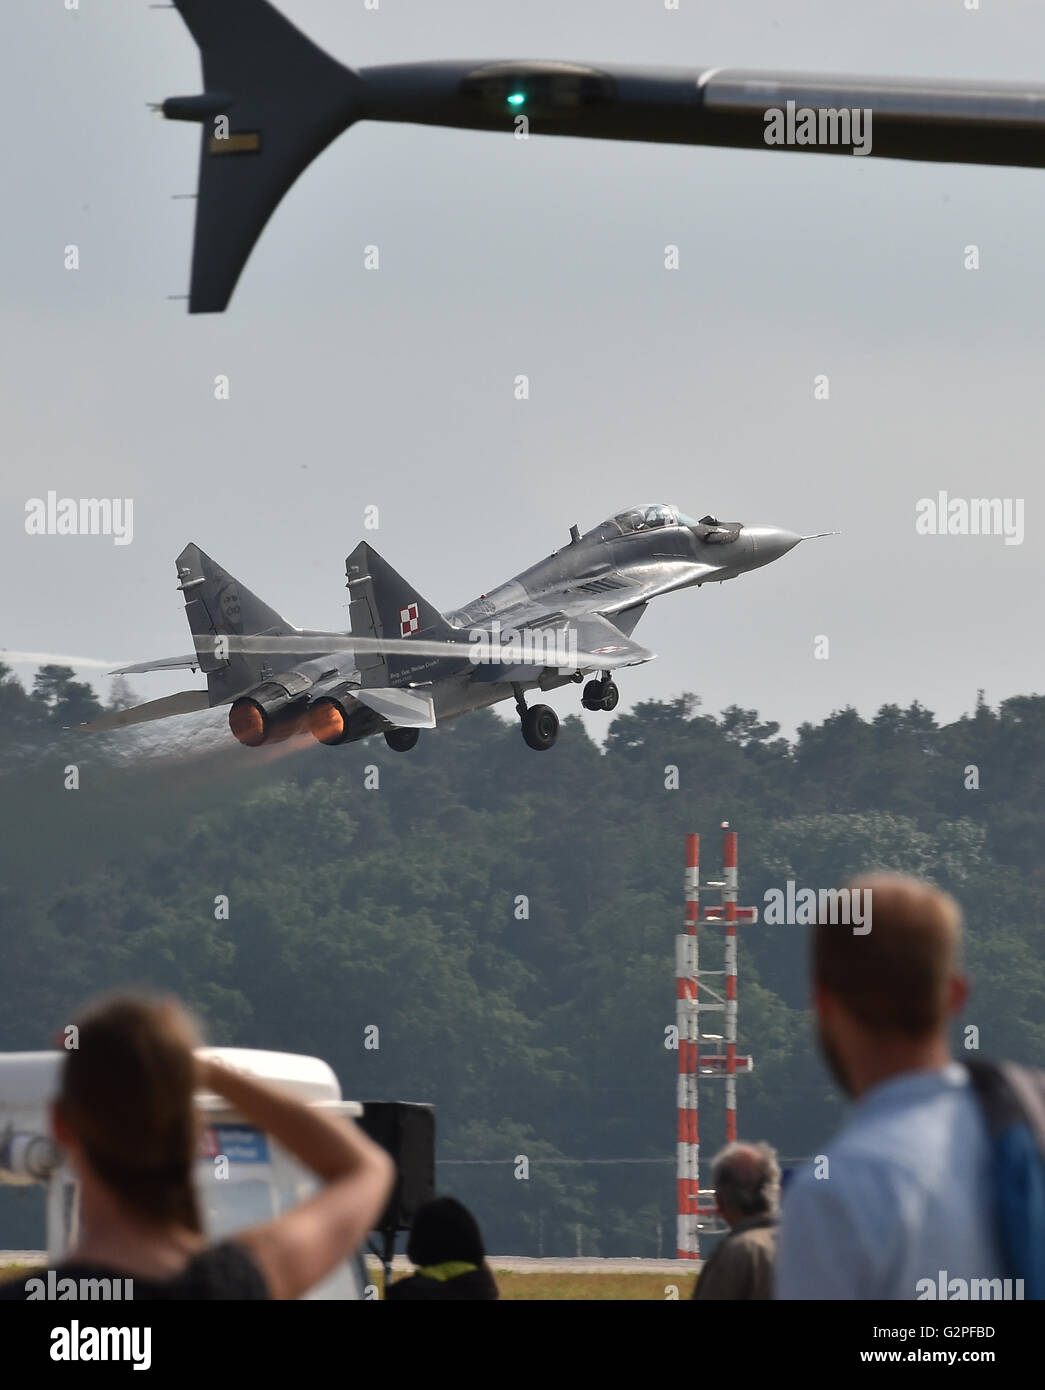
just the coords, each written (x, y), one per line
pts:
(1010, 1094)
(1013, 1101)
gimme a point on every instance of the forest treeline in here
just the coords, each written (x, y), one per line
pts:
(505, 920)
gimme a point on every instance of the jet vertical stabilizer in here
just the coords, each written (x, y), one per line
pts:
(384, 605)
(216, 606)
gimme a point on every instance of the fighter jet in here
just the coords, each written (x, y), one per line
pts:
(405, 667)
(272, 101)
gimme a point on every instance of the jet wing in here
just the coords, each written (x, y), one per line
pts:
(599, 636)
(185, 702)
(164, 663)
(406, 709)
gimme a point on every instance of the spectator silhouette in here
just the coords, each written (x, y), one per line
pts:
(746, 1178)
(904, 1191)
(446, 1245)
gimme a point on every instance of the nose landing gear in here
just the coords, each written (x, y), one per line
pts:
(602, 694)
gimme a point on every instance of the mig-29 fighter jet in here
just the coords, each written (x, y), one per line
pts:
(406, 667)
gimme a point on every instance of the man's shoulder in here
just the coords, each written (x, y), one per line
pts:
(899, 1161)
(903, 1141)
(741, 1265)
(852, 1175)
(758, 1238)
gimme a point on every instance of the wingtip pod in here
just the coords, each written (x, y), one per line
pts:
(272, 102)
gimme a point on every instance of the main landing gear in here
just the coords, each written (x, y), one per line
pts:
(600, 695)
(540, 723)
(402, 740)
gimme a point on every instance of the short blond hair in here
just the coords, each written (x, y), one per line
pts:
(896, 978)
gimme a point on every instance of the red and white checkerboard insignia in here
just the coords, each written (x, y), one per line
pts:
(409, 620)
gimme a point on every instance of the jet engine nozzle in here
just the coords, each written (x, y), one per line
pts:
(248, 723)
(326, 722)
(252, 725)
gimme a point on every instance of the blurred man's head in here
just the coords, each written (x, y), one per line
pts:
(746, 1179)
(883, 1000)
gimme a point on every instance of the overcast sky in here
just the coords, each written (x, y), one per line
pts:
(351, 388)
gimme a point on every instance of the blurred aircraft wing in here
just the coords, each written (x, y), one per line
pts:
(189, 662)
(185, 702)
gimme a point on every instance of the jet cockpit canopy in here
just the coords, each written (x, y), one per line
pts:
(648, 516)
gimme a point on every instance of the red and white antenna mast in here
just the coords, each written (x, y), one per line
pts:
(696, 997)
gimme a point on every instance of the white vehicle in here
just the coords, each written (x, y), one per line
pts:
(243, 1176)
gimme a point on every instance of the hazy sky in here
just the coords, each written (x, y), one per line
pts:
(350, 388)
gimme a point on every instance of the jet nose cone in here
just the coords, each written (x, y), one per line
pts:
(770, 542)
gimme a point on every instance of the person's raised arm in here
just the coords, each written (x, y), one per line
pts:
(297, 1249)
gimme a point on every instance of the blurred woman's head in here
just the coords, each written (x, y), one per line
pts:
(125, 1109)
(445, 1231)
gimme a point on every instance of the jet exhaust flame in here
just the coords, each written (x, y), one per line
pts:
(252, 727)
(326, 723)
(248, 723)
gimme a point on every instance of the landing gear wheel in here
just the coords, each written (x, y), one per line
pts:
(402, 740)
(591, 695)
(540, 727)
(600, 695)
